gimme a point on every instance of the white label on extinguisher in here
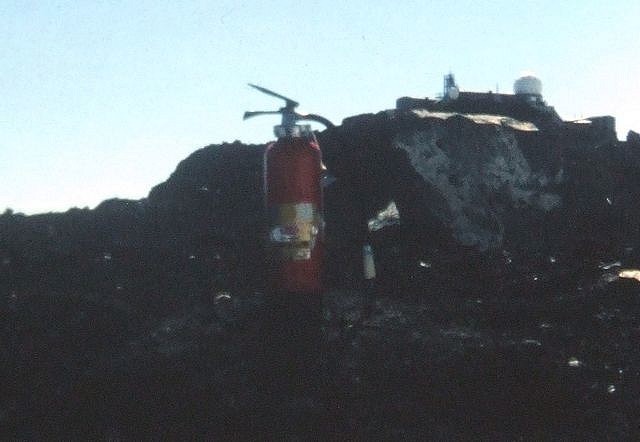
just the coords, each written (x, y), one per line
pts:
(294, 229)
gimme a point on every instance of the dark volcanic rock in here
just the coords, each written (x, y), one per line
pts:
(447, 172)
(633, 138)
(498, 312)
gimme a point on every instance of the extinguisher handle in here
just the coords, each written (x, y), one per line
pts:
(289, 115)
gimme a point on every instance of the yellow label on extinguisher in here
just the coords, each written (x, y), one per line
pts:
(294, 229)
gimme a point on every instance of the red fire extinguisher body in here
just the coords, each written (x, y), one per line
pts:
(293, 197)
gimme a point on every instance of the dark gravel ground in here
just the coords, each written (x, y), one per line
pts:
(497, 349)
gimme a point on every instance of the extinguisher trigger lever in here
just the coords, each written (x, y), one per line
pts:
(289, 103)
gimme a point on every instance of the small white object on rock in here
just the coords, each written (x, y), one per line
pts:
(574, 362)
(630, 274)
(222, 296)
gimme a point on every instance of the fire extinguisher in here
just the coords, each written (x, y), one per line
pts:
(293, 198)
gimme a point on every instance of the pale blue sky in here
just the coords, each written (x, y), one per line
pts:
(102, 99)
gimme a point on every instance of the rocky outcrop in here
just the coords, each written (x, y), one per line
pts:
(460, 182)
(487, 183)
(480, 177)
(499, 297)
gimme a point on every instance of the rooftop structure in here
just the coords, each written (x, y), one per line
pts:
(525, 104)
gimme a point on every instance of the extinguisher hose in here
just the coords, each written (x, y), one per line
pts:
(317, 118)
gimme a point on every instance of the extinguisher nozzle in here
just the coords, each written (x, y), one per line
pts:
(249, 114)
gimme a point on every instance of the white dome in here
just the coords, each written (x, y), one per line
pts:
(528, 85)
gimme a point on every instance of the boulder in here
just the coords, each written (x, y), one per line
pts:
(633, 138)
(480, 182)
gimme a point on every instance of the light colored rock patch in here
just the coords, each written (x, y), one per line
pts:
(479, 175)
